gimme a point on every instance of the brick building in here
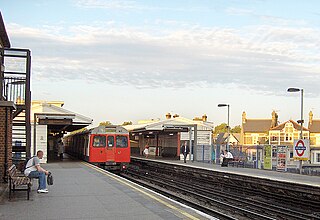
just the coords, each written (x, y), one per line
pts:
(6, 109)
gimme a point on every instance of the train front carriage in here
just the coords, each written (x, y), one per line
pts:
(110, 147)
(106, 146)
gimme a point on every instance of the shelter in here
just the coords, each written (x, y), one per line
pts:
(165, 136)
(50, 121)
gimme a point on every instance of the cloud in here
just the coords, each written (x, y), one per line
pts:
(112, 4)
(263, 58)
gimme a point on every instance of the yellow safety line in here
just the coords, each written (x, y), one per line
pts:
(143, 192)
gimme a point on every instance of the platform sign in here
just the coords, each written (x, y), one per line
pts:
(267, 157)
(282, 158)
(301, 149)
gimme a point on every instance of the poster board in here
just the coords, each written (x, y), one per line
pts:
(282, 158)
(267, 157)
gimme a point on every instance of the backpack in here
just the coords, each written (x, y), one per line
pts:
(22, 166)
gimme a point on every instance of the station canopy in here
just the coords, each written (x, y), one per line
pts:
(57, 119)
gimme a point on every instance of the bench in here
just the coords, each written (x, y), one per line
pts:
(17, 180)
(237, 163)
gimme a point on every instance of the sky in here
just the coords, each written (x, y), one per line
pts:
(119, 60)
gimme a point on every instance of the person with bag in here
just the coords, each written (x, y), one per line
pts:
(34, 170)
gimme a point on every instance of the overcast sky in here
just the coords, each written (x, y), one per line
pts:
(131, 60)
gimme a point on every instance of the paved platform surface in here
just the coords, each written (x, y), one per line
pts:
(266, 174)
(84, 192)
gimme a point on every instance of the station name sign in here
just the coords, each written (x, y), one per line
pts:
(301, 149)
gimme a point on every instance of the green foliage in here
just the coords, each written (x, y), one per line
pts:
(236, 129)
(127, 123)
(223, 128)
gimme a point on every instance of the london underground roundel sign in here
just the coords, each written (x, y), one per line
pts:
(301, 149)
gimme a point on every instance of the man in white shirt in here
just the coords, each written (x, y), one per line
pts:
(34, 170)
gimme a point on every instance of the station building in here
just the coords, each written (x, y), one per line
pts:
(49, 122)
(165, 137)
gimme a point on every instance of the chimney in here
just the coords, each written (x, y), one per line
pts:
(274, 120)
(244, 117)
(204, 118)
(168, 115)
(310, 118)
(175, 115)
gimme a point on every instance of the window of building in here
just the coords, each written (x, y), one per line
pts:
(318, 157)
(255, 138)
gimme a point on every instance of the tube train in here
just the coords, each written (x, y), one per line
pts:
(106, 146)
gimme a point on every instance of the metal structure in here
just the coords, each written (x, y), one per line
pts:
(228, 128)
(15, 87)
(301, 120)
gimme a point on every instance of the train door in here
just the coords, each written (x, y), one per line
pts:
(98, 148)
(123, 148)
(110, 149)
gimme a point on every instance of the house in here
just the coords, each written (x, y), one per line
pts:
(284, 135)
(255, 131)
(314, 129)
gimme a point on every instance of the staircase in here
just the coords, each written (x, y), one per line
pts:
(16, 88)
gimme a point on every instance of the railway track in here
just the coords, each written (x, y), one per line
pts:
(223, 204)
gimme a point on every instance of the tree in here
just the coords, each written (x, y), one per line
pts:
(105, 123)
(127, 123)
(236, 129)
(222, 128)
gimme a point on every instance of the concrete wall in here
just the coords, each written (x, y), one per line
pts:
(41, 141)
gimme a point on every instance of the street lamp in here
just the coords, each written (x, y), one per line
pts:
(301, 119)
(228, 128)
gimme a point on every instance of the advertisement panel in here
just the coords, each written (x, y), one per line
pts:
(301, 149)
(282, 158)
(267, 157)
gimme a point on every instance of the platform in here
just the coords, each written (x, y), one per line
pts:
(259, 173)
(81, 191)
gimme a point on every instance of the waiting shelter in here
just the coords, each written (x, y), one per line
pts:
(49, 122)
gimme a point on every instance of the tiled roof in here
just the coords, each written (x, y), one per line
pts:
(295, 125)
(257, 125)
(315, 126)
(3, 34)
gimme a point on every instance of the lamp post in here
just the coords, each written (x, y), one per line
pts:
(228, 128)
(301, 119)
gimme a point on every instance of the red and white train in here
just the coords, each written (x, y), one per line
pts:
(107, 146)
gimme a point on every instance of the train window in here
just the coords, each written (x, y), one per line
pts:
(99, 141)
(122, 141)
(110, 141)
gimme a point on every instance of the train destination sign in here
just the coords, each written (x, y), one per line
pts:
(301, 149)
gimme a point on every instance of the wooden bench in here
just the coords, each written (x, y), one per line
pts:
(237, 163)
(17, 180)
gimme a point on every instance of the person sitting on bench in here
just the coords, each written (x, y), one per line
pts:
(34, 170)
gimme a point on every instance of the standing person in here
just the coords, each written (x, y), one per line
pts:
(146, 150)
(34, 170)
(185, 151)
(221, 157)
(60, 149)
